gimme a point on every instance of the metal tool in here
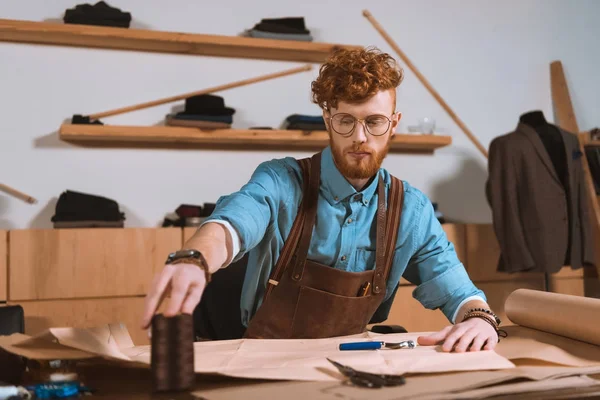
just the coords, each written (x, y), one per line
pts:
(406, 344)
(367, 379)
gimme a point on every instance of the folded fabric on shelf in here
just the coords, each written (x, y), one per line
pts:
(227, 119)
(305, 118)
(306, 127)
(305, 122)
(76, 209)
(84, 120)
(100, 14)
(189, 215)
(172, 120)
(279, 36)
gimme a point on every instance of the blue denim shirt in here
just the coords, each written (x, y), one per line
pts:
(263, 210)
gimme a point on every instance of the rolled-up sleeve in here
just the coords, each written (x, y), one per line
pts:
(251, 209)
(441, 278)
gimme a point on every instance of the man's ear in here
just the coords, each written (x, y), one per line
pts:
(395, 121)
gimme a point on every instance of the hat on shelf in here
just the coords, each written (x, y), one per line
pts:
(76, 209)
(206, 104)
(293, 25)
(98, 14)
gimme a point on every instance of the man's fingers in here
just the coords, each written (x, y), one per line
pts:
(465, 340)
(491, 343)
(155, 295)
(192, 299)
(179, 290)
(453, 337)
(478, 342)
(434, 338)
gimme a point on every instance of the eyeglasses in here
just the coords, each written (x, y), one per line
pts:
(367, 379)
(344, 124)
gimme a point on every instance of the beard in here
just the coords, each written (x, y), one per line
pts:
(358, 168)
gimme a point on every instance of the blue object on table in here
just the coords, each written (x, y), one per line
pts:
(57, 390)
(406, 344)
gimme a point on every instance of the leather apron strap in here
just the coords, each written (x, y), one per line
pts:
(290, 243)
(312, 199)
(391, 224)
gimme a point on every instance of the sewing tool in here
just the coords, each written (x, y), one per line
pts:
(367, 379)
(376, 345)
(172, 353)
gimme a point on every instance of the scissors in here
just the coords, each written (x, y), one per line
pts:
(367, 379)
(406, 344)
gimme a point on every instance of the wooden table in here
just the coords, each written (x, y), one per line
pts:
(120, 382)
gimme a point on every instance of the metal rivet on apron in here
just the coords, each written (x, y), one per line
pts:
(376, 290)
(297, 276)
(378, 274)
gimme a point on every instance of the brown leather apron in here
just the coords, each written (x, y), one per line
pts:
(306, 299)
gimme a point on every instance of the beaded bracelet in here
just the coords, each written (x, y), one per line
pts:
(487, 311)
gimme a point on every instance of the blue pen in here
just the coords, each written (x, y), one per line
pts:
(407, 344)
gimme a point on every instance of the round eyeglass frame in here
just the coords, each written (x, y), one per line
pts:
(363, 121)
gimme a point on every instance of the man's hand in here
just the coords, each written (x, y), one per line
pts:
(184, 283)
(473, 334)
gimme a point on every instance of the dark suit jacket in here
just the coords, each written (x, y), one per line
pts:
(538, 222)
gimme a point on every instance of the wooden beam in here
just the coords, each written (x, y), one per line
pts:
(89, 36)
(426, 83)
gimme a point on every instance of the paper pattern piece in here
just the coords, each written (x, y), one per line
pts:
(297, 359)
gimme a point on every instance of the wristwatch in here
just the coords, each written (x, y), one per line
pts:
(190, 256)
(185, 253)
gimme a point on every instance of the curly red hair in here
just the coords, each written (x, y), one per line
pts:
(354, 76)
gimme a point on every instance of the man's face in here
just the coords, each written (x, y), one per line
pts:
(357, 153)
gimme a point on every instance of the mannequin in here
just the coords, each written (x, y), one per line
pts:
(554, 144)
(552, 140)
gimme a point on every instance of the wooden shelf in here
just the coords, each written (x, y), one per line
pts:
(587, 140)
(245, 139)
(164, 42)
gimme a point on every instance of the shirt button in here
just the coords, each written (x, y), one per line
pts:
(343, 258)
(349, 220)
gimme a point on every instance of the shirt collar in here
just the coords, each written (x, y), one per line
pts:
(336, 187)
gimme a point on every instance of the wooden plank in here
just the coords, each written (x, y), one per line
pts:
(245, 139)
(565, 115)
(86, 313)
(164, 42)
(83, 263)
(3, 265)
(566, 119)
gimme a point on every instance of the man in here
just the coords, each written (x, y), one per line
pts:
(329, 237)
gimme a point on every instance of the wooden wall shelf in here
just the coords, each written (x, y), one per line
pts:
(586, 138)
(173, 136)
(164, 42)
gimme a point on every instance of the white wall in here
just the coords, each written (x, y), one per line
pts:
(488, 60)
